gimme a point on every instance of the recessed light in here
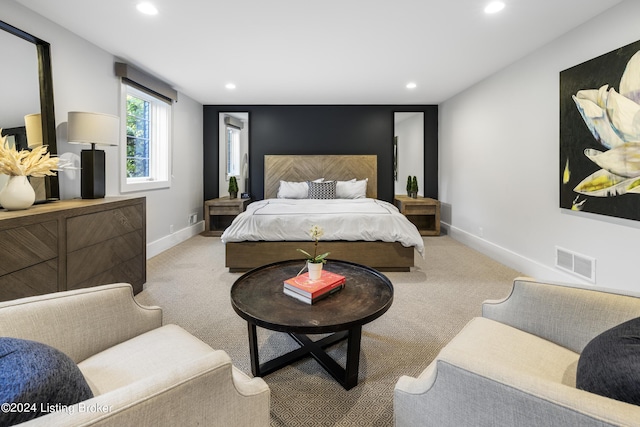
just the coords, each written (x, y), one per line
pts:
(494, 7)
(230, 86)
(147, 8)
(411, 85)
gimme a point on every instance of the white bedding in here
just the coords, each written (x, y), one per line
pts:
(340, 219)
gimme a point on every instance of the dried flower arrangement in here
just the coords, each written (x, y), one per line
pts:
(37, 162)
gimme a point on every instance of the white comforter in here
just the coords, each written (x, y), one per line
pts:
(340, 219)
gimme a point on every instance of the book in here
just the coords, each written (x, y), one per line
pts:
(308, 300)
(303, 285)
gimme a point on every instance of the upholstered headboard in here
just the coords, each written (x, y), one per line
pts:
(310, 167)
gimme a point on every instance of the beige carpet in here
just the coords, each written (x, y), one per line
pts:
(431, 304)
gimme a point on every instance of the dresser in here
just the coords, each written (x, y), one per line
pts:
(72, 244)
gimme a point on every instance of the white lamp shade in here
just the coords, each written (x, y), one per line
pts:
(93, 128)
(33, 125)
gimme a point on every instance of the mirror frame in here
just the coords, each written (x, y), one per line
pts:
(45, 77)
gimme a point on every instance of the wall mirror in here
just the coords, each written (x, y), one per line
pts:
(26, 86)
(233, 143)
(408, 150)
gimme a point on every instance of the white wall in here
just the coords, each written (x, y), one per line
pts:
(499, 163)
(84, 80)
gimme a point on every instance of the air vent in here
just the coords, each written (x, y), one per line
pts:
(577, 264)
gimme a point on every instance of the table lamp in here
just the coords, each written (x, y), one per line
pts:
(33, 126)
(93, 128)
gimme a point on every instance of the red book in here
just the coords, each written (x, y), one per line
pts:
(313, 288)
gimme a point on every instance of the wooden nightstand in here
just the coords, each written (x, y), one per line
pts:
(219, 213)
(423, 212)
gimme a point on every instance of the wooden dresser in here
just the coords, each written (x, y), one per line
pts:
(72, 244)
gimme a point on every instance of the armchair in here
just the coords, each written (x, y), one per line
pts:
(140, 372)
(516, 365)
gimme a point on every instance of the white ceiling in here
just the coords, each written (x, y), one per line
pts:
(328, 52)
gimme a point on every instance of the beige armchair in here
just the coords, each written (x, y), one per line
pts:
(516, 365)
(141, 373)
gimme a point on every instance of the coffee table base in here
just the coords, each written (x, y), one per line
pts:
(347, 377)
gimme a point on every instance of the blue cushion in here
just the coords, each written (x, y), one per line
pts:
(610, 363)
(37, 377)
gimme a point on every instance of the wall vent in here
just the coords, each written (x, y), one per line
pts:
(580, 265)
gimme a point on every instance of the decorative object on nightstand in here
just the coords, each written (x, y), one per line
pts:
(414, 187)
(219, 213)
(409, 191)
(423, 212)
(233, 187)
(93, 128)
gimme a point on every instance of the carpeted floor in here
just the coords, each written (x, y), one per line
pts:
(431, 304)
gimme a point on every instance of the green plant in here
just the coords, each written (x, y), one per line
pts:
(409, 184)
(414, 185)
(233, 185)
(316, 232)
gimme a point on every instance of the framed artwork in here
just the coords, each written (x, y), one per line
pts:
(600, 134)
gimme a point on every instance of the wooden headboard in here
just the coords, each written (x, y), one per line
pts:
(310, 167)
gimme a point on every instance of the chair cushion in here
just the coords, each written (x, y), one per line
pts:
(35, 378)
(142, 357)
(609, 365)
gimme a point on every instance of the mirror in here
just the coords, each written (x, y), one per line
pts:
(26, 86)
(233, 143)
(408, 150)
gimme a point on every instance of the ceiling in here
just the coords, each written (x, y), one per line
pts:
(329, 52)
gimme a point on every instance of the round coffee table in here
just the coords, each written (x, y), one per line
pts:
(258, 297)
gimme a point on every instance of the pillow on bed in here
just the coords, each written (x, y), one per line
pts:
(322, 190)
(295, 190)
(352, 189)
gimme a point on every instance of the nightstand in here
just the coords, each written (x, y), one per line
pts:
(422, 211)
(219, 213)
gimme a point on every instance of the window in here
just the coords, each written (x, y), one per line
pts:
(233, 151)
(146, 157)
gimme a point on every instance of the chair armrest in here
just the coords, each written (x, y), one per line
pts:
(455, 393)
(81, 322)
(567, 315)
(204, 391)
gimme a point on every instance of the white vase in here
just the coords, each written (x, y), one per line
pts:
(315, 270)
(17, 193)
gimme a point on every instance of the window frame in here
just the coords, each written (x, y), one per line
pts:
(160, 165)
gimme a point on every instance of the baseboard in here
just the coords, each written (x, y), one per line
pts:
(158, 246)
(524, 265)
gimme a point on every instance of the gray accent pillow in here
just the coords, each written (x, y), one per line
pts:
(322, 190)
(34, 378)
(609, 365)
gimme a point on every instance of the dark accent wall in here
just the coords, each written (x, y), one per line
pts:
(320, 129)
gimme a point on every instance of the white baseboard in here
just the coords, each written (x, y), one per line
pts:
(526, 266)
(167, 242)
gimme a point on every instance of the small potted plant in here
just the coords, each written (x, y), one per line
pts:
(315, 262)
(409, 183)
(233, 187)
(414, 188)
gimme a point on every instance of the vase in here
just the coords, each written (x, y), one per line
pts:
(17, 193)
(315, 270)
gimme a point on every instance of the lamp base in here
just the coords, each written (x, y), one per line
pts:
(93, 174)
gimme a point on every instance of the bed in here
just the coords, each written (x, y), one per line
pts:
(272, 229)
